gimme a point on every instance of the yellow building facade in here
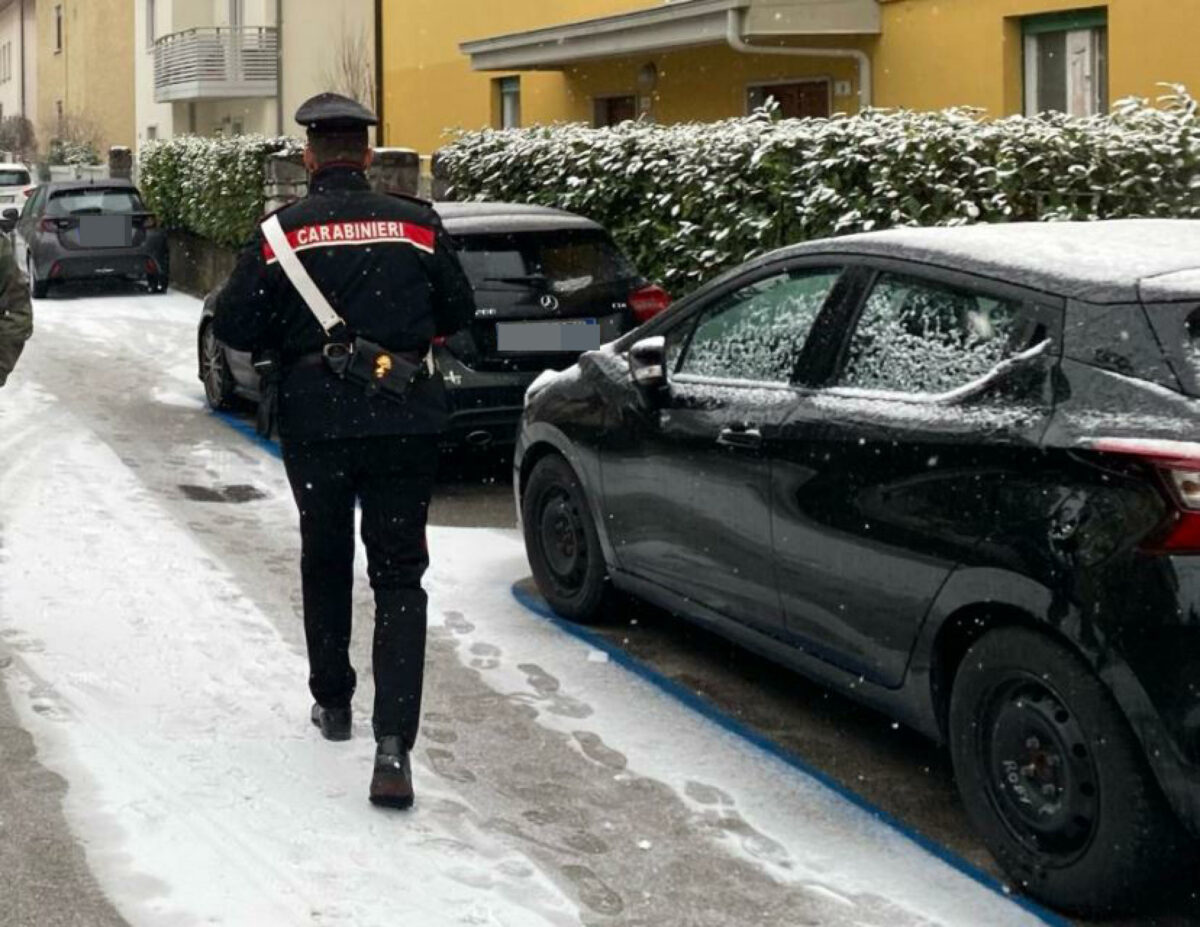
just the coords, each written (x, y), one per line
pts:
(527, 62)
(85, 69)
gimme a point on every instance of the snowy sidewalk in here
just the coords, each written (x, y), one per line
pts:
(157, 661)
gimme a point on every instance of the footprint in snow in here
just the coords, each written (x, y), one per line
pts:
(593, 892)
(598, 752)
(486, 656)
(446, 765)
(457, 623)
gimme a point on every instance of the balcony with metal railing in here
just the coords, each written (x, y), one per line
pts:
(217, 63)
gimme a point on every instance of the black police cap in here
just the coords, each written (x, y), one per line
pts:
(332, 112)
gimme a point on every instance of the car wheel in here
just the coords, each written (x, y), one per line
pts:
(1053, 778)
(562, 542)
(158, 283)
(37, 288)
(214, 371)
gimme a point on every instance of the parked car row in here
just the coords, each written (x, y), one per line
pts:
(548, 286)
(953, 473)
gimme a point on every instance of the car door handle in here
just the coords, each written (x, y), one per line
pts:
(742, 437)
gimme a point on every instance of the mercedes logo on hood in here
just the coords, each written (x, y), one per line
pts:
(550, 303)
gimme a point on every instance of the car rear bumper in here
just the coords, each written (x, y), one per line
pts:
(52, 262)
(485, 406)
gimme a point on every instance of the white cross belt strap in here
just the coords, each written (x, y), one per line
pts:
(295, 272)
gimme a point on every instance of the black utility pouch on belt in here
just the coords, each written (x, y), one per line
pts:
(379, 371)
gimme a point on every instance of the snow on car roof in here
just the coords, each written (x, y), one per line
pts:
(481, 218)
(1099, 262)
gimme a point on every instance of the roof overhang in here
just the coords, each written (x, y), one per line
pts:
(671, 25)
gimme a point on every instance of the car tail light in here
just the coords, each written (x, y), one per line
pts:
(151, 266)
(28, 193)
(1178, 462)
(648, 302)
(48, 225)
(55, 269)
(439, 341)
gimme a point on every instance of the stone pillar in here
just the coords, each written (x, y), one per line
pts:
(284, 179)
(120, 163)
(395, 170)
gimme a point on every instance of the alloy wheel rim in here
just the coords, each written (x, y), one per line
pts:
(1042, 779)
(564, 543)
(214, 376)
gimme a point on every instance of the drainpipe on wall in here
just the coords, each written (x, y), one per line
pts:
(279, 67)
(738, 43)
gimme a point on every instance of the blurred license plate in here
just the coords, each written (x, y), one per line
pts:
(533, 337)
(7, 199)
(105, 231)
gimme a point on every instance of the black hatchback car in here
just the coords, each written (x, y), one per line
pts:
(89, 230)
(954, 473)
(548, 285)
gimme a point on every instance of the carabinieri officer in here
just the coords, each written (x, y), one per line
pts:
(386, 270)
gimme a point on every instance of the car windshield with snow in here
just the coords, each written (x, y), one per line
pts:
(954, 473)
(548, 285)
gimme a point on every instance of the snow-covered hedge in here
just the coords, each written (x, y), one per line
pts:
(686, 201)
(210, 186)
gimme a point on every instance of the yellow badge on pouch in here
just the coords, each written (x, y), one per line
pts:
(383, 366)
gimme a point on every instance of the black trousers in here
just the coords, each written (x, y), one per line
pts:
(392, 478)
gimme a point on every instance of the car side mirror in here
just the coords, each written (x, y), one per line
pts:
(8, 219)
(648, 363)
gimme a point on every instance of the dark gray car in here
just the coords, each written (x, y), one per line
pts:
(85, 230)
(548, 285)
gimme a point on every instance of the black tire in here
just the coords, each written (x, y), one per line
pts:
(1054, 779)
(215, 372)
(38, 289)
(562, 543)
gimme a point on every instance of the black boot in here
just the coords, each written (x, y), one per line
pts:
(391, 786)
(333, 722)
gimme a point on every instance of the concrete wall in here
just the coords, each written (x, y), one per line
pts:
(149, 112)
(93, 74)
(313, 33)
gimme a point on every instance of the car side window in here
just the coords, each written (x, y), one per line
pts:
(31, 204)
(756, 332)
(918, 336)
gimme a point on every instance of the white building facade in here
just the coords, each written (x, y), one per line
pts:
(233, 67)
(18, 59)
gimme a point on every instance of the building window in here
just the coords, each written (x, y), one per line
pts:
(151, 26)
(611, 111)
(58, 113)
(797, 99)
(508, 93)
(1066, 63)
(151, 133)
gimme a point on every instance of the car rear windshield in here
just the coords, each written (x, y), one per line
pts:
(562, 261)
(95, 202)
(14, 178)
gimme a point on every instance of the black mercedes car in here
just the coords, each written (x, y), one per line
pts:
(954, 473)
(548, 285)
(89, 230)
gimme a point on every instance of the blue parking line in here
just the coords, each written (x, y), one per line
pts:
(237, 424)
(693, 701)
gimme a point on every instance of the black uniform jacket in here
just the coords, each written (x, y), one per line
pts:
(389, 269)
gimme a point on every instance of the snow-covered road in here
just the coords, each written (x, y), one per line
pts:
(157, 659)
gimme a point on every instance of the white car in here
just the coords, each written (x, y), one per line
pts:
(16, 184)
